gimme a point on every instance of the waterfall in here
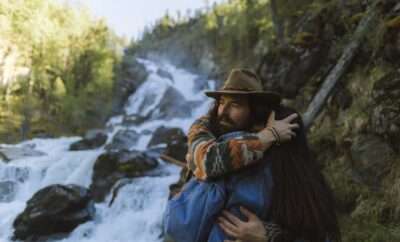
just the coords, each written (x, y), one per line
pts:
(136, 213)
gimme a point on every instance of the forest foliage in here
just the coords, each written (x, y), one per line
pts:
(56, 69)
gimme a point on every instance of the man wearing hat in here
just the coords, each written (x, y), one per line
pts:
(240, 105)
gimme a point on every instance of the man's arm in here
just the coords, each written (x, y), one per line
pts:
(208, 158)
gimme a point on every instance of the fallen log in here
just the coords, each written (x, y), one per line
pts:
(341, 66)
(173, 160)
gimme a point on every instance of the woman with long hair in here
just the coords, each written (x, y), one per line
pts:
(301, 202)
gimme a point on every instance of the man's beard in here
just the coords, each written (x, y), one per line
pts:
(226, 125)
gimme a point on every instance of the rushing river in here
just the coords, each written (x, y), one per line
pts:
(136, 213)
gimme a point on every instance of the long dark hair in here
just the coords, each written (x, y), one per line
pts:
(302, 201)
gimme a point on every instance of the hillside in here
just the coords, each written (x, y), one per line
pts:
(294, 47)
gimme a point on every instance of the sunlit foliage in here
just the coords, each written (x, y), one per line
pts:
(56, 69)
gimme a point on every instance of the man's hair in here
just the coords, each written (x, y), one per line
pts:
(302, 201)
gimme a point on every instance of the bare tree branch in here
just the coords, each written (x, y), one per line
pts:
(337, 72)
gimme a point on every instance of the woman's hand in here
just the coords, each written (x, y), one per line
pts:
(251, 231)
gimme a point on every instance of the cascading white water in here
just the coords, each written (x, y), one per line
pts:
(136, 213)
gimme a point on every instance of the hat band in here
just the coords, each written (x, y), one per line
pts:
(237, 89)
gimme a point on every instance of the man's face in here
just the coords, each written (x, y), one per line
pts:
(233, 113)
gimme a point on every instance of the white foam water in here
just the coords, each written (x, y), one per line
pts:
(136, 213)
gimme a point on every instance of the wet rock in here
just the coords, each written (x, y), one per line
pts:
(174, 139)
(371, 157)
(133, 120)
(200, 84)
(52, 210)
(132, 74)
(172, 105)
(93, 139)
(113, 166)
(156, 99)
(123, 139)
(7, 190)
(385, 118)
(165, 74)
(47, 238)
(117, 187)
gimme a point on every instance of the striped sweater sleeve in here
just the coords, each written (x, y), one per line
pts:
(208, 158)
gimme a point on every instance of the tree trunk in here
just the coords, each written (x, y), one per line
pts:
(278, 23)
(341, 66)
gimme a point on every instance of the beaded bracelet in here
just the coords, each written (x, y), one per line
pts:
(276, 135)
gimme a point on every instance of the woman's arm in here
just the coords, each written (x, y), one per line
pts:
(208, 158)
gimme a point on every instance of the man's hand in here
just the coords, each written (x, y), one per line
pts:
(251, 231)
(284, 127)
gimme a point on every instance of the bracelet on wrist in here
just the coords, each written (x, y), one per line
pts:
(275, 134)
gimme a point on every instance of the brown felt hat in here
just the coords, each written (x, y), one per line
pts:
(246, 82)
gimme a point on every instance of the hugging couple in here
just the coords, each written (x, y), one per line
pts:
(253, 176)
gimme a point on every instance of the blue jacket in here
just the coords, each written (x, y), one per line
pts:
(191, 215)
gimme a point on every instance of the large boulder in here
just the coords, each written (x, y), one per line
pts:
(93, 139)
(123, 139)
(173, 105)
(52, 210)
(165, 74)
(157, 99)
(174, 139)
(113, 166)
(385, 118)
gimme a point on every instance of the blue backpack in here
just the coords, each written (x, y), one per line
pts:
(191, 215)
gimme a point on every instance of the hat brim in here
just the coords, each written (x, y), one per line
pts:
(271, 97)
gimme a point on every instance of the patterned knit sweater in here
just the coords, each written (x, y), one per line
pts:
(209, 158)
